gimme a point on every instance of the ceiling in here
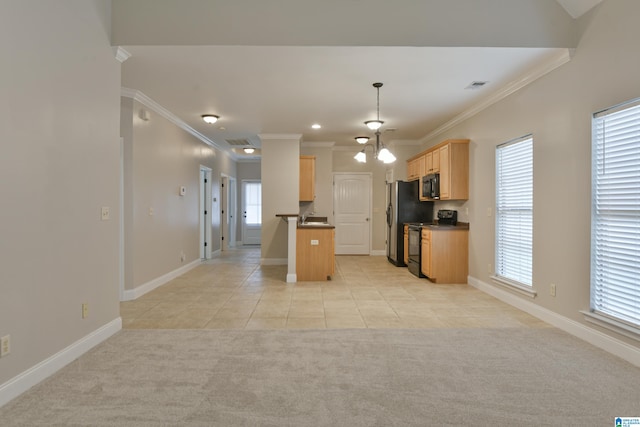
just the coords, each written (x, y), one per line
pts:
(259, 89)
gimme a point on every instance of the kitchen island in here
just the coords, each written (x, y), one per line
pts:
(315, 251)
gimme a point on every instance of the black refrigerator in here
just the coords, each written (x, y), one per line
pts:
(404, 206)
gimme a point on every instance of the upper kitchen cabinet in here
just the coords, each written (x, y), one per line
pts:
(454, 169)
(449, 159)
(415, 167)
(307, 178)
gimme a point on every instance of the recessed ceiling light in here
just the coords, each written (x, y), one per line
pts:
(315, 126)
(249, 150)
(210, 118)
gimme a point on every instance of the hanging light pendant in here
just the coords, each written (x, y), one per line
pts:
(380, 152)
(376, 124)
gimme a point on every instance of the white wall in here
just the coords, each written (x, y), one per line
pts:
(59, 121)
(557, 110)
(160, 157)
(280, 192)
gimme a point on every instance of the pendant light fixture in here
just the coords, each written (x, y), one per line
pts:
(380, 151)
(376, 124)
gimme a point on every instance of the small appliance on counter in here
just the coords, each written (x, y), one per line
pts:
(447, 217)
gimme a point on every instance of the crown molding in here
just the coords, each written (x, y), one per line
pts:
(121, 54)
(143, 99)
(560, 59)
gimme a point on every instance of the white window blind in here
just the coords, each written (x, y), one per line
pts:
(514, 210)
(615, 213)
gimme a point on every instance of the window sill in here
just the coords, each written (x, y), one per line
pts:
(612, 325)
(514, 286)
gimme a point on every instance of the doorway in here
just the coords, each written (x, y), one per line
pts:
(352, 213)
(251, 212)
(205, 212)
(228, 208)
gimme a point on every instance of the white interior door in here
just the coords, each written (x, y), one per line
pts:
(224, 212)
(352, 213)
(205, 212)
(251, 212)
(232, 207)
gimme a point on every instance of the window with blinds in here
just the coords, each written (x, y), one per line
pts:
(514, 211)
(615, 213)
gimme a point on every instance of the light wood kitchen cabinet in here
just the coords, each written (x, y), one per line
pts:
(450, 159)
(315, 253)
(445, 254)
(415, 167)
(307, 178)
(432, 162)
(454, 170)
(406, 244)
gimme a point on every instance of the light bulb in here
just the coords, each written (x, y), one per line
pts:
(361, 157)
(210, 118)
(374, 124)
(386, 156)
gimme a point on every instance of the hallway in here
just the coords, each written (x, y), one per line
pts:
(233, 291)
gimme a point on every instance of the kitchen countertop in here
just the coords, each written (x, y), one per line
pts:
(319, 226)
(435, 226)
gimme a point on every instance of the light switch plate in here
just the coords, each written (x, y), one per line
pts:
(105, 213)
(315, 243)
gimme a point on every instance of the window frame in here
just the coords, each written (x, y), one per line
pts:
(513, 281)
(610, 217)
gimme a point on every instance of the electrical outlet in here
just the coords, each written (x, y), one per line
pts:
(151, 212)
(85, 310)
(5, 345)
(552, 289)
(182, 256)
(315, 243)
(489, 211)
(489, 268)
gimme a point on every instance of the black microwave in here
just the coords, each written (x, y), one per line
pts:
(431, 186)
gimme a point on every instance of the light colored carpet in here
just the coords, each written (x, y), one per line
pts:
(437, 377)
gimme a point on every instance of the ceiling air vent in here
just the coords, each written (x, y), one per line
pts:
(237, 142)
(476, 85)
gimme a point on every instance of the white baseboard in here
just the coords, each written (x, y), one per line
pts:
(131, 294)
(378, 253)
(590, 335)
(34, 375)
(274, 261)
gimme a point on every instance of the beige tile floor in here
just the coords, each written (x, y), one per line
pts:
(233, 291)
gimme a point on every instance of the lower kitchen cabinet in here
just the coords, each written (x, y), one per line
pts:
(445, 254)
(315, 253)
